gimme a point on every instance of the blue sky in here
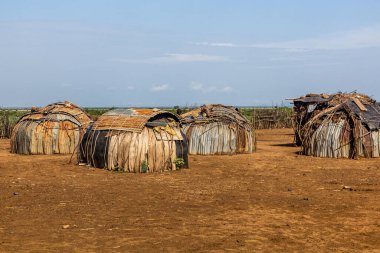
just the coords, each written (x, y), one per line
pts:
(165, 53)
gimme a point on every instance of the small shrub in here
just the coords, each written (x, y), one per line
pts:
(144, 167)
(179, 162)
(119, 170)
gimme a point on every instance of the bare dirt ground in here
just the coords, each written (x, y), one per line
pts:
(273, 200)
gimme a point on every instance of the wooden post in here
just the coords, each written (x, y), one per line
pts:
(254, 118)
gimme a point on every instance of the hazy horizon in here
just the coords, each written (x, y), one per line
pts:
(158, 106)
(166, 53)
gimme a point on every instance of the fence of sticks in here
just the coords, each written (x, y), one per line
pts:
(269, 118)
(6, 124)
(342, 125)
(217, 129)
(135, 140)
(54, 129)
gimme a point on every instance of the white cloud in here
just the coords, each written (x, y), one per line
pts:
(362, 38)
(177, 58)
(194, 58)
(216, 44)
(159, 87)
(367, 37)
(120, 88)
(197, 86)
(65, 85)
(226, 89)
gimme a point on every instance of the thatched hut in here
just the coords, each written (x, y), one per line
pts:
(342, 125)
(54, 129)
(217, 129)
(135, 140)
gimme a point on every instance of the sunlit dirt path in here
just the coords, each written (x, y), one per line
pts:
(272, 200)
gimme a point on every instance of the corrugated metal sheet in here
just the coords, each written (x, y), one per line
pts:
(369, 117)
(318, 99)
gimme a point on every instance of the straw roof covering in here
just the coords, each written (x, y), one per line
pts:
(56, 128)
(135, 140)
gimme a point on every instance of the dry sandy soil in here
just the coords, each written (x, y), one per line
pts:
(273, 200)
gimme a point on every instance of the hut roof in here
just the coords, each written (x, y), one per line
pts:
(215, 113)
(334, 99)
(363, 107)
(368, 114)
(132, 120)
(319, 104)
(58, 112)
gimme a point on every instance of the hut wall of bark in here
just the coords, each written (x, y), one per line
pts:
(54, 129)
(31, 137)
(218, 138)
(135, 140)
(218, 130)
(334, 140)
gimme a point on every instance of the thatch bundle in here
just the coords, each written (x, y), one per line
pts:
(135, 140)
(54, 129)
(218, 129)
(339, 125)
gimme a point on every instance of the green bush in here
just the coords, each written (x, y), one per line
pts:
(8, 119)
(119, 170)
(179, 162)
(144, 167)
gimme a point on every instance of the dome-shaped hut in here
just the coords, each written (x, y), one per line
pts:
(217, 129)
(135, 140)
(54, 129)
(342, 125)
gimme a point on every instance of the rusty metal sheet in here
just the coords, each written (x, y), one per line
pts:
(133, 120)
(370, 117)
